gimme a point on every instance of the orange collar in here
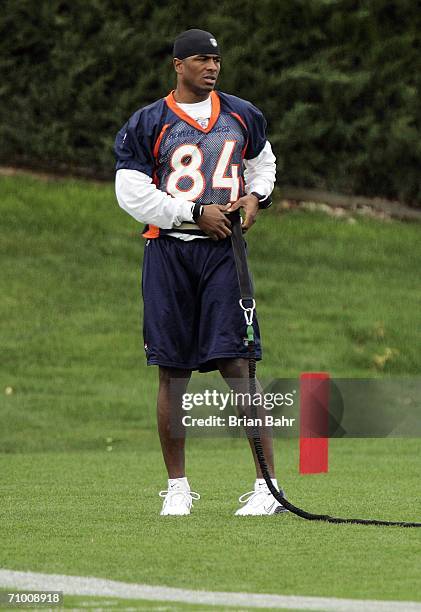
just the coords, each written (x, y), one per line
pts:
(216, 107)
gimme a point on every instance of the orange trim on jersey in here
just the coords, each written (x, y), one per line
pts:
(153, 232)
(158, 142)
(216, 107)
(241, 120)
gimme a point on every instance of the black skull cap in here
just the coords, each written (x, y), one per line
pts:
(195, 42)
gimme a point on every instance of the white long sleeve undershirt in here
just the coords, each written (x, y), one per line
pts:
(260, 172)
(137, 195)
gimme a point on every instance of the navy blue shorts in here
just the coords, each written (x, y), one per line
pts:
(191, 312)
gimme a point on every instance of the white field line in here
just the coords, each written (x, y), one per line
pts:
(99, 587)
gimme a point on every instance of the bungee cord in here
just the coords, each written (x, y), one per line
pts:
(246, 293)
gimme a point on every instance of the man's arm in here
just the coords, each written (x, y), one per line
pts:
(259, 174)
(138, 196)
(136, 193)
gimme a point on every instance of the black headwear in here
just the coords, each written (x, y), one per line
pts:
(195, 42)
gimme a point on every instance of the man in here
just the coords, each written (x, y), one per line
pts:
(183, 163)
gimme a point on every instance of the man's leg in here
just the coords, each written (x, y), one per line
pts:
(168, 328)
(236, 370)
(178, 498)
(169, 412)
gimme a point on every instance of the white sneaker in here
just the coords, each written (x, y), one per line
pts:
(259, 502)
(178, 500)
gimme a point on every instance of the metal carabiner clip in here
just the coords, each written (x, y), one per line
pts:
(248, 311)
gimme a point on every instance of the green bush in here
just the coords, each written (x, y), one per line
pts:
(337, 80)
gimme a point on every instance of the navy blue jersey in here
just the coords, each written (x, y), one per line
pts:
(186, 160)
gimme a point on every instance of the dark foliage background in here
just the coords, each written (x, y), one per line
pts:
(338, 81)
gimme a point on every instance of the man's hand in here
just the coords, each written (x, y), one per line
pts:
(213, 221)
(251, 207)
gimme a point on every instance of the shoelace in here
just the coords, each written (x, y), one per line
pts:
(246, 497)
(189, 494)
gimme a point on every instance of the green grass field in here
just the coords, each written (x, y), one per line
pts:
(80, 462)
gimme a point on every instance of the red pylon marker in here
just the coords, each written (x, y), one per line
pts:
(314, 422)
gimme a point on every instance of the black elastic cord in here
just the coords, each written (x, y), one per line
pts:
(276, 494)
(240, 256)
(245, 285)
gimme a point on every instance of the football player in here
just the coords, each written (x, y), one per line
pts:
(184, 163)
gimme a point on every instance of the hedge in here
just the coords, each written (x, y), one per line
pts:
(338, 81)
